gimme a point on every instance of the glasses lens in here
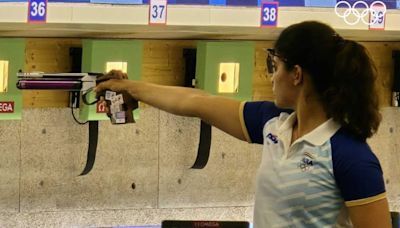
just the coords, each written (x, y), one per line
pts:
(270, 64)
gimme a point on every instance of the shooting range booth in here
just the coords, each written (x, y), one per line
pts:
(104, 55)
(12, 59)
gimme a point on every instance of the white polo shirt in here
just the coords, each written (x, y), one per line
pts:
(309, 183)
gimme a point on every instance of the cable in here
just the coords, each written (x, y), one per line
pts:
(76, 120)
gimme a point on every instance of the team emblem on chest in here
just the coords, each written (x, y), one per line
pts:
(307, 162)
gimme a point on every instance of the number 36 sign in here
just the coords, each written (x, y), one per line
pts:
(269, 14)
(37, 10)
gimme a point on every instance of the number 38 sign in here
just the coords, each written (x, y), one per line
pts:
(37, 10)
(269, 14)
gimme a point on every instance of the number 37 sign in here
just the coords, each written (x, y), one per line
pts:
(269, 14)
(37, 11)
(158, 12)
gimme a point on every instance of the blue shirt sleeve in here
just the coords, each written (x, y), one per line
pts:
(357, 171)
(256, 114)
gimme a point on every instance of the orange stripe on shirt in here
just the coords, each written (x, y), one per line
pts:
(365, 200)
(242, 123)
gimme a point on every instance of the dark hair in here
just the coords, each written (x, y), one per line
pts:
(341, 71)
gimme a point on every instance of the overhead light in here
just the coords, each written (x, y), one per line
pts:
(122, 66)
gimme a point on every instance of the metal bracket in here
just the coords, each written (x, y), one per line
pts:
(203, 152)
(91, 155)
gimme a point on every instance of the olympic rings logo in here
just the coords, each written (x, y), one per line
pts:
(361, 14)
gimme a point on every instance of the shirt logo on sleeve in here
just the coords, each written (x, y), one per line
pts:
(273, 138)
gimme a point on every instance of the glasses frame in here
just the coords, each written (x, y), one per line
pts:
(271, 53)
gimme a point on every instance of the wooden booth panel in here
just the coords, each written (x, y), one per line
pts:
(51, 56)
(381, 53)
(163, 61)
(262, 85)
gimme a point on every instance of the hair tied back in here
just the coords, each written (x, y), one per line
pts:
(339, 41)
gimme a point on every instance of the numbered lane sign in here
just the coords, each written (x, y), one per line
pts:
(377, 16)
(158, 12)
(37, 11)
(269, 14)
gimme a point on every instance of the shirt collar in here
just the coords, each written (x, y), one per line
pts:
(318, 136)
(288, 123)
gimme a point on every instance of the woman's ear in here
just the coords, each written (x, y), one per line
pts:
(298, 75)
